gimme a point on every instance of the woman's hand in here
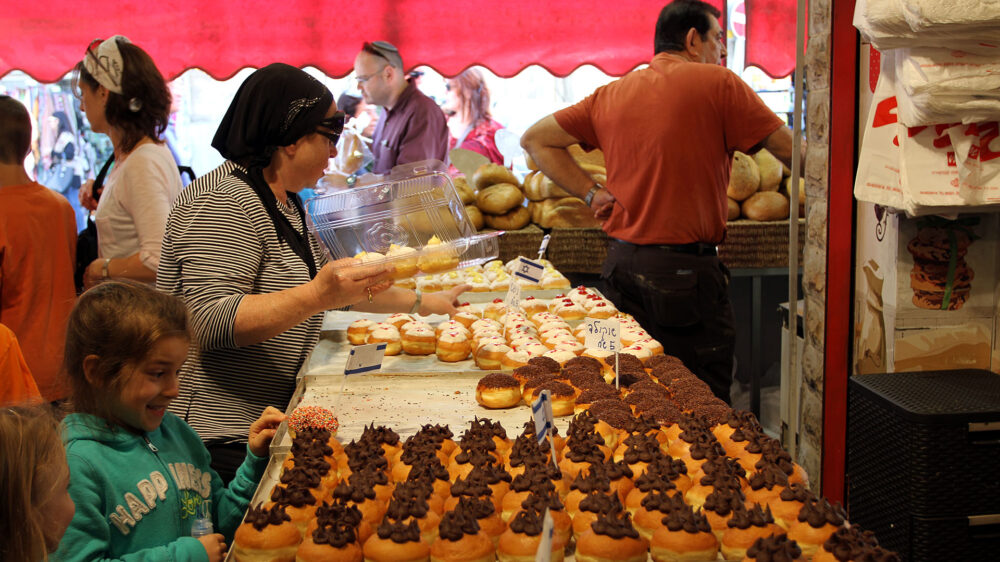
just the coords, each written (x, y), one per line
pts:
(343, 282)
(262, 431)
(86, 196)
(215, 546)
(94, 273)
(443, 302)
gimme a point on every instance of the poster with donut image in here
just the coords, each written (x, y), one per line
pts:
(949, 263)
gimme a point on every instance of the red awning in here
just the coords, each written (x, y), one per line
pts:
(45, 39)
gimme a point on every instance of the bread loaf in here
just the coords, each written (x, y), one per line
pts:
(475, 216)
(566, 212)
(499, 198)
(734, 210)
(594, 157)
(490, 174)
(516, 219)
(541, 187)
(770, 170)
(766, 206)
(465, 191)
(744, 179)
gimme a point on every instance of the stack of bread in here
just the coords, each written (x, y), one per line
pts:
(759, 188)
(499, 199)
(684, 480)
(552, 206)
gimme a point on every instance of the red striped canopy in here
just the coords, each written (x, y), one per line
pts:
(46, 38)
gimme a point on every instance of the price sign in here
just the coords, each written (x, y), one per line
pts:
(544, 552)
(365, 358)
(603, 334)
(541, 411)
(529, 270)
(513, 298)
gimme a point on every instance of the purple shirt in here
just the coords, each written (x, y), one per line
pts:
(414, 129)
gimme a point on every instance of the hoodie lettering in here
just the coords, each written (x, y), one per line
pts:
(148, 491)
(122, 520)
(160, 483)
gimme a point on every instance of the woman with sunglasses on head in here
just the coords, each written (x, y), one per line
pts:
(256, 281)
(125, 97)
(470, 124)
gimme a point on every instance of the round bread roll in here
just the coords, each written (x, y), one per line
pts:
(734, 210)
(492, 174)
(499, 198)
(475, 216)
(770, 170)
(744, 179)
(514, 220)
(766, 206)
(465, 191)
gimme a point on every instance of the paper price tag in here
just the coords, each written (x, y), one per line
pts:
(544, 552)
(365, 358)
(544, 246)
(513, 298)
(603, 334)
(527, 269)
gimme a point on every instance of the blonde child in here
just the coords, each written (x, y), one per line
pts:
(35, 506)
(139, 474)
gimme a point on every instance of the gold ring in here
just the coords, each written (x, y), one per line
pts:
(369, 289)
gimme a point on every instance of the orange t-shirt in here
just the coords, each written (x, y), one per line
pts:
(668, 133)
(16, 384)
(37, 253)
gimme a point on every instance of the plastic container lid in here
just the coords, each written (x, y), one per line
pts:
(415, 207)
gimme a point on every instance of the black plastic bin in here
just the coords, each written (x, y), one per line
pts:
(923, 462)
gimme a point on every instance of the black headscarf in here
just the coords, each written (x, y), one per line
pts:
(276, 106)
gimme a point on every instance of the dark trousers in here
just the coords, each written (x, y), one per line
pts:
(227, 458)
(682, 300)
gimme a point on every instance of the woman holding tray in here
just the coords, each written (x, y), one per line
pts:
(257, 283)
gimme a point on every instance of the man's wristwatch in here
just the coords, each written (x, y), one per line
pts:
(593, 191)
(105, 274)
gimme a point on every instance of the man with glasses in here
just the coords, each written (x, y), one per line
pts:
(668, 133)
(412, 127)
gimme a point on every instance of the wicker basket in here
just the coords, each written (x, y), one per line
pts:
(748, 245)
(755, 245)
(523, 242)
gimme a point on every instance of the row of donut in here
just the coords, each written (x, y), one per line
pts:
(498, 338)
(621, 494)
(494, 276)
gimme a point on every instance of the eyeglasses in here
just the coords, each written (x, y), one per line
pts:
(90, 53)
(362, 79)
(333, 125)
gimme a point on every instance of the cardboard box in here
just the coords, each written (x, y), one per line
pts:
(926, 291)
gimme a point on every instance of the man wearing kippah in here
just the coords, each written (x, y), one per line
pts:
(412, 127)
(668, 133)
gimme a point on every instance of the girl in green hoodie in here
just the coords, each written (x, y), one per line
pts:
(139, 474)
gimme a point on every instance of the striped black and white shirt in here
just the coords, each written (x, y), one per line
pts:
(220, 245)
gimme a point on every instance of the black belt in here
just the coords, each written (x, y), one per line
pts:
(694, 248)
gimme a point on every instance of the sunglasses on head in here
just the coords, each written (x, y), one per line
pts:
(332, 126)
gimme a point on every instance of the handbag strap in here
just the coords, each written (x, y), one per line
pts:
(99, 180)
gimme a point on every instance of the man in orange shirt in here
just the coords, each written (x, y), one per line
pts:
(37, 252)
(668, 133)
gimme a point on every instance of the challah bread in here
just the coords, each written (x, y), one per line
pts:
(566, 212)
(766, 206)
(490, 174)
(499, 198)
(516, 219)
(465, 191)
(475, 216)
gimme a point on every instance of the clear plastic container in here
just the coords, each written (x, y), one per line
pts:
(415, 207)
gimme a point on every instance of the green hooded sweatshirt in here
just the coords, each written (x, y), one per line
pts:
(137, 495)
